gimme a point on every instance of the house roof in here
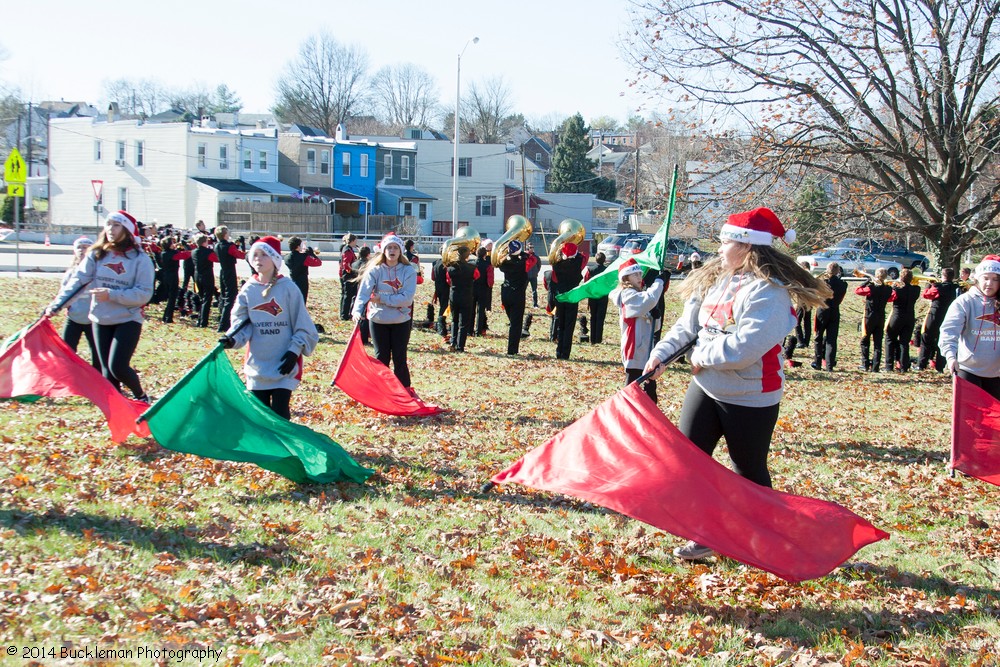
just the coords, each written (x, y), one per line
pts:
(276, 188)
(333, 193)
(231, 185)
(406, 193)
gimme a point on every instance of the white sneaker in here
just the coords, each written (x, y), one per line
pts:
(693, 551)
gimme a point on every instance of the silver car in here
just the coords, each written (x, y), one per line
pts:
(850, 260)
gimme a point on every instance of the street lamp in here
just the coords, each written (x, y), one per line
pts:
(454, 175)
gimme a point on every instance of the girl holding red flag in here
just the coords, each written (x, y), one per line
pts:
(739, 308)
(386, 290)
(970, 333)
(120, 276)
(271, 318)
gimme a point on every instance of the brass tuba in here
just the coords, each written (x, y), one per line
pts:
(518, 229)
(466, 237)
(570, 231)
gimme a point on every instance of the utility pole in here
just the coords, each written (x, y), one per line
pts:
(635, 180)
(524, 186)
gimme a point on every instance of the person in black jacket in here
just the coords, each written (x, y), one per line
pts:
(901, 323)
(512, 292)
(533, 273)
(461, 277)
(598, 307)
(170, 262)
(940, 295)
(298, 260)
(482, 292)
(204, 277)
(439, 275)
(877, 294)
(228, 253)
(827, 324)
(567, 273)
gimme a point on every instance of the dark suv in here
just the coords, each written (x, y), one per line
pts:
(890, 252)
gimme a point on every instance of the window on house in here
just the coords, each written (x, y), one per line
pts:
(510, 170)
(364, 165)
(422, 211)
(248, 159)
(346, 160)
(404, 168)
(388, 165)
(538, 158)
(262, 160)
(486, 205)
(407, 209)
(324, 162)
(202, 151)
(464, 166)
(121, 151)
(97, 150)
(223, 157)
(140, 153)
(311, 161)
(123, 199)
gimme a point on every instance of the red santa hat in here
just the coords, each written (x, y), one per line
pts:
(271, 247)
(990, 264)
(628, 267)
(125, 220)
(757, 227)
(569, 249)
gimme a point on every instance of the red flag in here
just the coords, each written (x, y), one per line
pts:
(40, 363)
(370, 382)
(975, 432)
(627, 456)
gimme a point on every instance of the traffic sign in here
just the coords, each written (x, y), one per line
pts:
(14, 170)
(98, 186)
(15, 189)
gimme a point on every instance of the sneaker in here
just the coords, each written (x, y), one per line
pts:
(144, 399)
(693, 551)
(815, 366)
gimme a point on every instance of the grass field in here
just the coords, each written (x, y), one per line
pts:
(135, 546)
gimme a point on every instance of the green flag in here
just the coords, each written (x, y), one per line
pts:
(210, 413)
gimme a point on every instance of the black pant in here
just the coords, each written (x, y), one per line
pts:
(533, 283)
(442, 324)
(873, 336)
(649, 386)
(897, 341)
(279, 400)
(598, 313)
(481, 325)
(348, 292)
(990, 385)
(71, 335)
(513, 304)
(929, 352)
(565, 324)
(303, 285)
(391, 341)
(803, 326)
(206, 291)
(826, 331)
(227, 297)
(170, 288)
(461, 322)
(747, 431)
(116, 344)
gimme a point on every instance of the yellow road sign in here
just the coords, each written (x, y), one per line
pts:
(14, 169)
(15, 189)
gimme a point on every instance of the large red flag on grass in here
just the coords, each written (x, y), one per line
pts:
(975, 432)
(627, 456)
(40, 363)
(370, 382)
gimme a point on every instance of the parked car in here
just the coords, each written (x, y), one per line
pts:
(612, 245)
(850, 260)
(892, 252)
(675, 248)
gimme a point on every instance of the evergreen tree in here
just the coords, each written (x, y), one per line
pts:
(572, 170)
(812, 211)
(7, 210)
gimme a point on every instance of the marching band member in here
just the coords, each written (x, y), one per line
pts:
(877, 294)
(941, 295)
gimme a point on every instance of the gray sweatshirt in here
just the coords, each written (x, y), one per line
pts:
(636, 324)
(970, 333)
(740, 325)
(395, 286)
(78, 308)
(279, 323)
(128, 275)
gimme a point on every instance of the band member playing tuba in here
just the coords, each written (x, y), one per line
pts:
(567, 273)
(515, 267)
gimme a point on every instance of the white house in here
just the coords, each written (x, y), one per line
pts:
(167, 172)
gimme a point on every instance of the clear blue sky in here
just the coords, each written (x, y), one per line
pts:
(557, 56)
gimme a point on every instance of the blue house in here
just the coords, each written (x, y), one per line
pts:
(354, 167)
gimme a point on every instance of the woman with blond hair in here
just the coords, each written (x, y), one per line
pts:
(738, 309)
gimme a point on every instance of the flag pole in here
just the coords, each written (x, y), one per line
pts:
(670, 215)
(954, 422)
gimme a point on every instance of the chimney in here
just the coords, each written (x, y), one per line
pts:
(113, 113)
(340, 134)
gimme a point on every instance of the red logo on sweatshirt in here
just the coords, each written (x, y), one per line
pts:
(993, 318)
(117, 267)
(394, 283)
(271, 307)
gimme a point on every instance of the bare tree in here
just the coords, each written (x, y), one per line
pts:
(138, 97)
(323, 85)
(894, 100)
(405, 96)
(488, 112)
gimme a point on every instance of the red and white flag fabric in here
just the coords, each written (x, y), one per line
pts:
(627, 456)
(975, 432)
(40, 363)
(370, 382)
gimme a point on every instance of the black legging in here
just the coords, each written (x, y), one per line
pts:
(513, 304)
(598, 313)
(874, 328)
(747, 430)
(348, 292)
(227, 297)
(115, 344)
(649, 386)
(71, 335)
(461, 322)
(170, 288)
(897, 341)
(990, 385)
(391, 341)
(565, 324)
(825, 337)
(206, 291)
(279, 400)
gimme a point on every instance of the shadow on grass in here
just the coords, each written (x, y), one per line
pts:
(182, 542)
(902, 454)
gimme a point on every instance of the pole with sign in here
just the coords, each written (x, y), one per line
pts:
(15, 175)
(98, 187)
